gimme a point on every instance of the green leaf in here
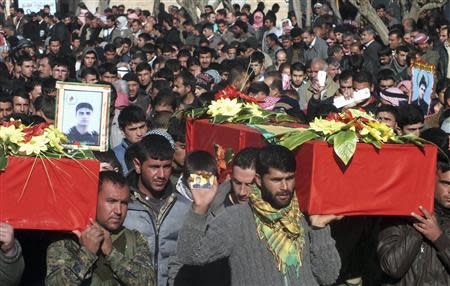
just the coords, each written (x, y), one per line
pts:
(345, 145)
(220, 119)
(229, 154)
(294, 139)
(3, 162)
(330, 139)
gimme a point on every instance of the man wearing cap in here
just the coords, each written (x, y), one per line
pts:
(80, 132)
(424, 44)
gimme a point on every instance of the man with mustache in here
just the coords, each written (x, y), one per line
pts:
(105, 253)
(267, 241)
(156, 209)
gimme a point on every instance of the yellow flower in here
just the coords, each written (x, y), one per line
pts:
(254, 109)
(224, 107)
(327, 127)
(385, 132)
(11, 134)
(35, 146)
(55, 138)
(358, 113)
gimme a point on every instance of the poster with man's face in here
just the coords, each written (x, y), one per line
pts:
(422, 88)
(82, 115)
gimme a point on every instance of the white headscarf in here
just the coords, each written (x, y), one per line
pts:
(122, 23)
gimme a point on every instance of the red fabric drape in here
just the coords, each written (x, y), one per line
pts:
(62, 196)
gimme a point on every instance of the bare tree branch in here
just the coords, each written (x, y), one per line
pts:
(420, 6)
(334, 7)
(367, 11)
(298, 12)
(308, 13)
(227, 4)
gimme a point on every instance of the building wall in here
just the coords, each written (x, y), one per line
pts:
(148, 4)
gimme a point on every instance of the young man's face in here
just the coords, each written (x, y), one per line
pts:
(387, 83)
(442, 188)
(153, 174)
(180, 153)
(133, 88)
(134, 132)
(109, 77)
(27, 68)
(60, 73)
(277, 187)
(84, 116)
(112, 205)
(145, 77)
(89, 60)
(44, 68)
(241, 181)
(297, 77)
(394, 41)
(54, 47)
(21, 105)
(415, 129)
(257, 68)
(110, 56)
(385, 59)
(6, 109)
(36, 92)
(178, 86)
(387, 118)
(205, 60)
(90, 78)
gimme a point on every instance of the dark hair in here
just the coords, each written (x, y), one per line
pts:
(115, 178)
(107, 67)
(362, 76)
(259, 86)
(276, 157)
(199, 161)
(160, 120)
(110, 158)
(246, 158)
(131, 114)
(188, 79)
(88, 71)
(409, 114)
(154, 147)
(143, 66)
(257, 56)
(436, 136)
(109, 48)
(398, 33)
(177, 129)
(386, 74)
(345, 75)
(298, 67)
(46, 104)
(384, 52)
(167, 97)
(388, 108)
(22, 94)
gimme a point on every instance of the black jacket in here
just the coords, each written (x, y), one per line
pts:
(443, 62)
(410, 259)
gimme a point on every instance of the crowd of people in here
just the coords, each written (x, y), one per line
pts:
(153, 226)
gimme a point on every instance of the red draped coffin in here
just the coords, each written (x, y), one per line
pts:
(48, 194)
(392, 181)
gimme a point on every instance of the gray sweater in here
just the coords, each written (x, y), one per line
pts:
(233, 234)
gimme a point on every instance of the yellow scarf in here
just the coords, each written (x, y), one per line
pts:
(281, 229)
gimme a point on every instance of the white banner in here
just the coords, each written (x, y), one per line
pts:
(29, 6)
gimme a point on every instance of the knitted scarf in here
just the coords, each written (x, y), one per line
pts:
(281, 229)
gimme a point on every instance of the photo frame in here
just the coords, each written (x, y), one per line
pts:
(82, 114)
(422, 86)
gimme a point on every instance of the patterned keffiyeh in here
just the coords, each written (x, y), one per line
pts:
(281, 229)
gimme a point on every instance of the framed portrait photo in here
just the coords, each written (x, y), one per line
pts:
(82, 114)
(422, 86)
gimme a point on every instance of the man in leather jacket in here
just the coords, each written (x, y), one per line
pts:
(416, 250)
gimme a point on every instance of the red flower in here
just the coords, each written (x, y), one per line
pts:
(231, 93)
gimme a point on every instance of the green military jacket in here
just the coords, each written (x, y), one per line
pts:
(129, 262)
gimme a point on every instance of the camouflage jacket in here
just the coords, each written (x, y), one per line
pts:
(129, 262)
